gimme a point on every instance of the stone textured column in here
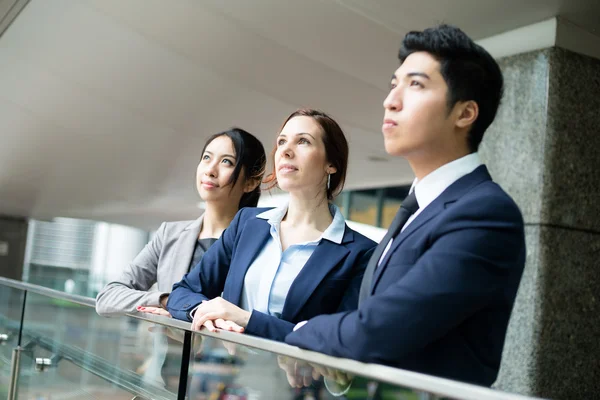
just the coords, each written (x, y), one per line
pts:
(13, 238)
(544, 149)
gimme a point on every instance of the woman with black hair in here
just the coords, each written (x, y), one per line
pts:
(228, 178)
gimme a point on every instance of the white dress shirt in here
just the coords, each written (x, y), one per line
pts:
(433, 185)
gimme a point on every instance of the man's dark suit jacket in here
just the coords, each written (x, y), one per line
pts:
(328, 282)
(442, 296)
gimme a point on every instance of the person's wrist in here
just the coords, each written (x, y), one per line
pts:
(162, 300)
(244, 319)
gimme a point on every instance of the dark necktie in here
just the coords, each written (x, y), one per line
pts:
(408, 207)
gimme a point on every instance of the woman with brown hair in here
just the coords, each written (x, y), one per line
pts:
(276, 267)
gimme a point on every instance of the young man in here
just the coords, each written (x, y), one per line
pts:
(438, 292)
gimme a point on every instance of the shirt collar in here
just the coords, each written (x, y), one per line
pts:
(333, 233)
(434, 184)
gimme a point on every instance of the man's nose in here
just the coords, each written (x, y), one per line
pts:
(393, 100)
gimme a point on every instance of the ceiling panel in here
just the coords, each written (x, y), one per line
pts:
(106, 104)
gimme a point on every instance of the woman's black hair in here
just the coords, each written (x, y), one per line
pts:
(251, 158)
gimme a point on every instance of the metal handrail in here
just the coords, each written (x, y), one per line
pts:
(395, 376)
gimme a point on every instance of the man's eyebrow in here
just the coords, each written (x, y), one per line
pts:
(412, 74)
(421, 74)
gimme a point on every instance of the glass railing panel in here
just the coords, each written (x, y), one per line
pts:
(72, 352)
(220, 369)
(11, 304)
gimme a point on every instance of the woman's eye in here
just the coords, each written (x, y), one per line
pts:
(416, 83)
(303, 140)
(226, 161)
(205, 157)
(280, 142)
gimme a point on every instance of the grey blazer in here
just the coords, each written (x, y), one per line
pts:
(164, 260)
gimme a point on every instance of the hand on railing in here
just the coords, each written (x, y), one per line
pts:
(154, 310)
(219, 313)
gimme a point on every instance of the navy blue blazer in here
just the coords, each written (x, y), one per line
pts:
(329, 281)
(442, 296)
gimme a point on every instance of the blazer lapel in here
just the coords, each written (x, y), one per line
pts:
(184, 249)
(450, 195)
(325, 257)
(259, 232)
(431, 211)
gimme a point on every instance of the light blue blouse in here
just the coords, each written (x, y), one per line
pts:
(269, 277)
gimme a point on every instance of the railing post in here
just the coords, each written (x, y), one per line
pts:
(14, 373)
(185, 364)
(15, 363)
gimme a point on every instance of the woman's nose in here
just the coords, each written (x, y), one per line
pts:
(211, 171)
(287, 152)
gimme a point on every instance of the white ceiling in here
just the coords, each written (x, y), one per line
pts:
(105, 104)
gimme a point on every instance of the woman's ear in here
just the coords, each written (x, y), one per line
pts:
(331, 169)
(250, 185)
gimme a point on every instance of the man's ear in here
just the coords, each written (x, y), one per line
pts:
(468, 112)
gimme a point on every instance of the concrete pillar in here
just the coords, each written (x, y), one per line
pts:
(544, 149)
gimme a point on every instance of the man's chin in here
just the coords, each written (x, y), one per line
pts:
(395, 149)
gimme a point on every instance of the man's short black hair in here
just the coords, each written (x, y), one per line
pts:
(470, 72)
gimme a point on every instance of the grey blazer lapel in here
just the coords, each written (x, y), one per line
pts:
(184, 249)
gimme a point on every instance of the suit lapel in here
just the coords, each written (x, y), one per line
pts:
(184, 249)
(450, 195)
(326, 256)
(431, 211)
(259, 232)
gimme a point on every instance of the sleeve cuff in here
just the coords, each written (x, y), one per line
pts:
(190, 314)
(152, 299)
(299, 325)
(254, 322)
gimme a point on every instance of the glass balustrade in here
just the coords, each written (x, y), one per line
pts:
(67, 351)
